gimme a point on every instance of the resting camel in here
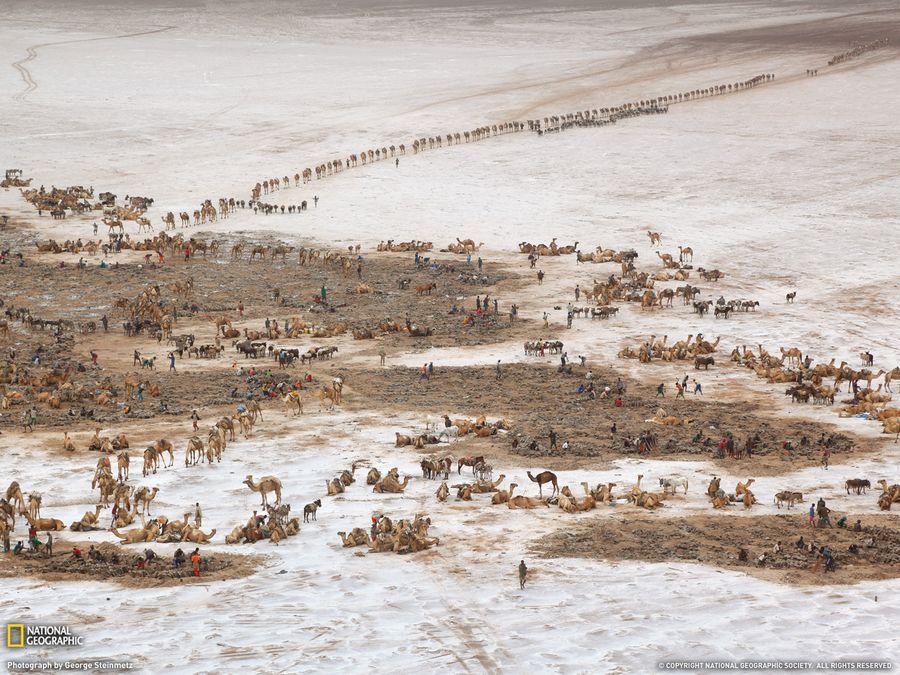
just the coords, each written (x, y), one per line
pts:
(390, 484)
(483, 487)
(373, 476)
(88, 520)
(196, 535)
(442, 492)
(540, 479)
(138, 535)
(357, 537)
(45, 524)
(265, 485)
(520, 502)
(67, 442)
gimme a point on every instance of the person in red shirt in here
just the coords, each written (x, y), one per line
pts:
(195, 561)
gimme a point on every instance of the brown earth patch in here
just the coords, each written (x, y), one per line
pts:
(119, 566)
(715, 540)
(536, 397)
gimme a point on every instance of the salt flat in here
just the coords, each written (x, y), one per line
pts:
(790, 186)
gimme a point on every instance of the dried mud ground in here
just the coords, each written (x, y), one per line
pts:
(536, 398)
(120, 566)
(715, 541)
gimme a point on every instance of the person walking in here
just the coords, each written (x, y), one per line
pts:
(480, 263)
(198, 515)
(359, 269)
(240, 308)
(540, 276)
(93, 357)
(382, 355)
(697, 388)
(105, 321)
(661, 390)
(397, 162)
(195, 418)
(49, 545)
(552, 435)
(679, 390)
(26, 422)
(430, 369)
(172, 362)
(826, 455)
(812, 515)
(546, 321)
(323, 292)
(498, 370)
(140, 391)
(523, 573)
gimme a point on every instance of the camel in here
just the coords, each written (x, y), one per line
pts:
(34, 505)
(265, 485)
(390, 484)
(88, 520)
(483, 487)
(162, 446)
(357, 537)
(602, 494)
(145, 495)
(889, 376)
(122, 463)
(196, 535)
(666, 258)
(520, 502)
(742, 487)
(45, 524)
(373, 476)
(442, 492)
(193, 453)
(793, 355)
(292, 399)
(67, 442)
(138, 535)
(14, 495)
(566, 502)
(749, 500)
(636, 489)
(151, 461)
(655, 237)
(540, 479)
(334, 487)
(684, 252)
(713, 486)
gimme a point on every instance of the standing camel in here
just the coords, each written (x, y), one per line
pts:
(265, 485)
(544, 477)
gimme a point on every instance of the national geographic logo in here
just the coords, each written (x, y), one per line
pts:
(19, 636)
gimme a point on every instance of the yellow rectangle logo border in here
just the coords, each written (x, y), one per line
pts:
(9, 632)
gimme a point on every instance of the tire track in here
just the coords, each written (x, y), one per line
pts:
(31, 55)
